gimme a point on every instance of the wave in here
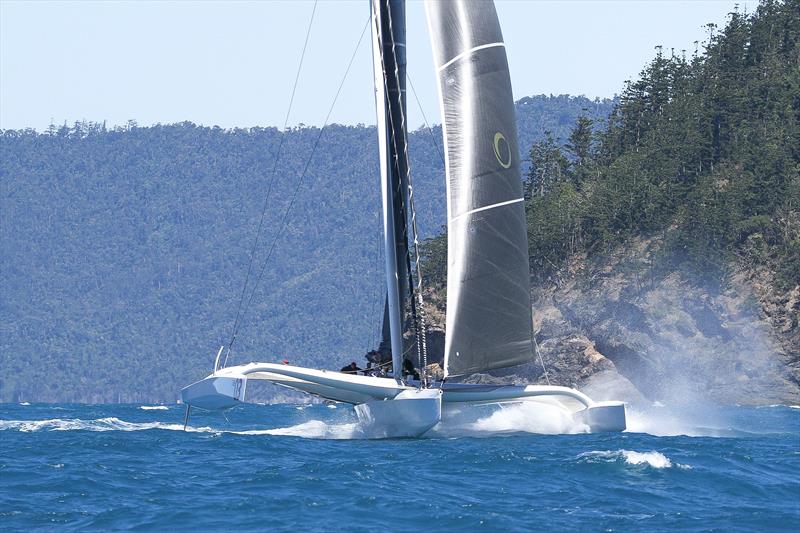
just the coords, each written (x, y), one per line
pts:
(313, 429)
(100, 424)
(153, 407)
(779, 405)
(652, 459)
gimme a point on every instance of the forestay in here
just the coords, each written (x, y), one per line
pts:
(488, 291)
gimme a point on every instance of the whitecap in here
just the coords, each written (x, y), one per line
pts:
(153, 407)
(25, 403)
(652, 459)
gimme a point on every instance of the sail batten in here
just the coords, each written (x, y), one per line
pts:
(466, 53)
(488, 291)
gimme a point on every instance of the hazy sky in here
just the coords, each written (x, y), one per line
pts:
(233, 63)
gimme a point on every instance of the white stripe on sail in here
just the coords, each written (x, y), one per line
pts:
(468, 52)
(484, 208)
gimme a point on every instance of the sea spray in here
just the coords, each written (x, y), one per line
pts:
(695, 420)
(522, 417)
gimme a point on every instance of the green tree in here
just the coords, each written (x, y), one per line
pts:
(548, 166)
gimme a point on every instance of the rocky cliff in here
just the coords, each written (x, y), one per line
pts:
(615, 327)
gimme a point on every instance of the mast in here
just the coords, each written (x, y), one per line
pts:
(389, 66)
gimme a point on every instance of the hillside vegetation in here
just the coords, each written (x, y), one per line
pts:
(670, 239)
(124, 251)
(702, 151)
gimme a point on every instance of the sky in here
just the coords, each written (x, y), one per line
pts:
(233, 63)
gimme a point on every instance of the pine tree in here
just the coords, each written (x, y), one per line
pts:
(580, 146)
(548, 166)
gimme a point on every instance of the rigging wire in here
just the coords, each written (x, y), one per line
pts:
(269, 186)
(375, 332)
(425, 119)
(539, 353)
(282, 224)
(417, 313)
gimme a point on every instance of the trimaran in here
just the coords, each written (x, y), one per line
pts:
(488, 321)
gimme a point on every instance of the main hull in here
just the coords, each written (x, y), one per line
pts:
(226, 388)
(409, 414)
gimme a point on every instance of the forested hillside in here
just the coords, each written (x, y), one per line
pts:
(701, 150)
(124, 250)
(670, 239)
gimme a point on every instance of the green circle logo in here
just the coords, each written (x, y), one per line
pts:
(501, 150)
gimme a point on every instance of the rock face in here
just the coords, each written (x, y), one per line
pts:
(616, 330)
(673, 338)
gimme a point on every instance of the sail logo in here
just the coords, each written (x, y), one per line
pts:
(501, 150)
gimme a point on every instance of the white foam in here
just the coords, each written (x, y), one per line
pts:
(651, 459)
(523, 417)
(153, 407)
(100, 424)
(654, 459)
(24, 403)
(313, 429)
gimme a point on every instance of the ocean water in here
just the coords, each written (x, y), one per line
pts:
(311, 467)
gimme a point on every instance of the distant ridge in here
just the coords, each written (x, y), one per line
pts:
(124, 250)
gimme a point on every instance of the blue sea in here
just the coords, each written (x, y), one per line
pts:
(311, 468)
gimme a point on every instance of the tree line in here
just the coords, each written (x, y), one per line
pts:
(125, 249)
(701, 152)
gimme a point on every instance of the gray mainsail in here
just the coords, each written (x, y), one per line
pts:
(488, 286)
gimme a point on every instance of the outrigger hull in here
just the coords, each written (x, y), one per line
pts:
(226, 388)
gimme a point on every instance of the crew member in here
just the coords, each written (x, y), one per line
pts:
(352, 368)
(409, 370)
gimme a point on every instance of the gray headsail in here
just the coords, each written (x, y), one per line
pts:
(488, 284)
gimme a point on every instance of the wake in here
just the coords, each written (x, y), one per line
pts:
(469, 421)
(100, 424)
(523, 417)
(472, 422)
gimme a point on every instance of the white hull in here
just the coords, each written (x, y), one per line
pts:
(410, 414)
(226, 387)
